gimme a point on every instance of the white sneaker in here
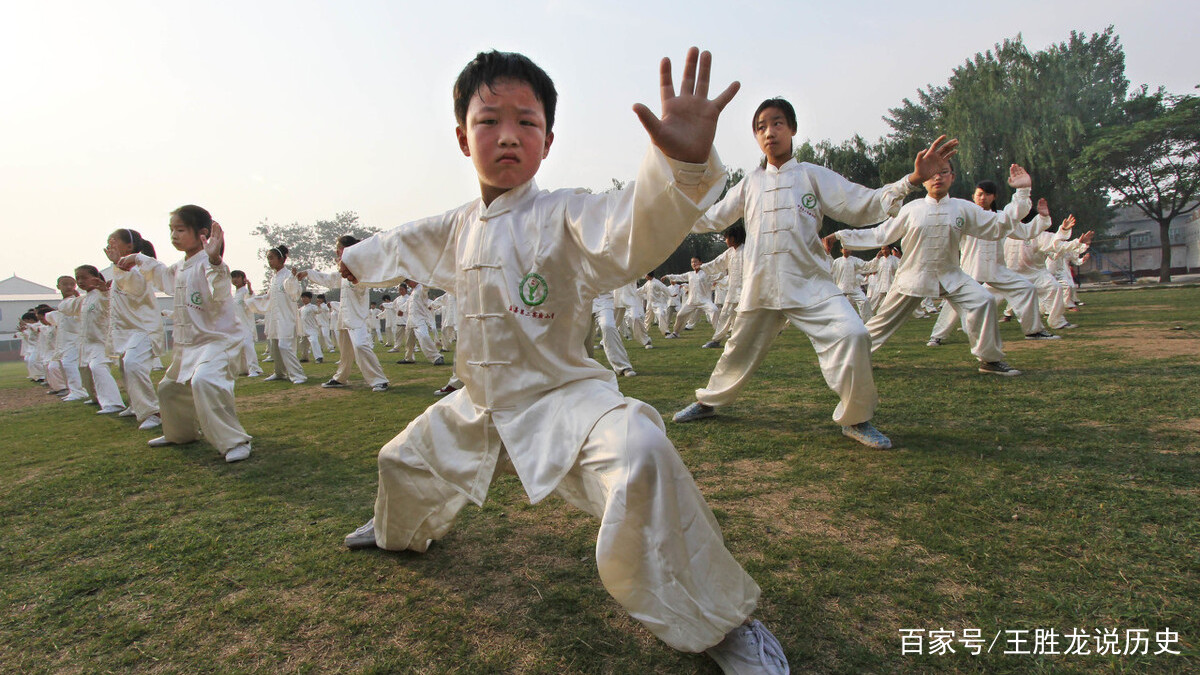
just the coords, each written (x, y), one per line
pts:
(363, 537)
(75, 397)
(750, 649)
(300, 380)
(151, 422)
(628, 372)
(257, 373)
(649, 346)
(238, 453)
(127, 412)
(159, 442)
(273, 377)
(382, 386)
(110, 410)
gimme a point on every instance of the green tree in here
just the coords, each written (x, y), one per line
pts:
(1151, 162)
(1010, 105)
(311, 246)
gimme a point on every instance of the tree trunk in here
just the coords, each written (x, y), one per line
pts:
(1164, 231)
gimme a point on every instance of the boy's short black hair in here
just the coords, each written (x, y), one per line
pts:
(737, 233)
(238, 273)
(488, 68)
(789, 113)
(306, 294)
(320, 296)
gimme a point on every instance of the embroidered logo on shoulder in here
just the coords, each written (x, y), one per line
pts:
(196, 299)
(809, 201)
(533, 289)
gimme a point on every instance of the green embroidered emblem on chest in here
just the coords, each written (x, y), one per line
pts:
(809, 201)
(958, 222)
(533, 289)
(196, 299)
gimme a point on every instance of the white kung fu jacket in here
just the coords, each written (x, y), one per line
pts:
(205, 322)
(525, 270)
(784, 263)
(982, 259)
(930, 231)
(727, 266)
(134, 312)
(355, 306)
(278, 306)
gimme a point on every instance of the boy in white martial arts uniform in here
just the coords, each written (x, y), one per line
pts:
(524, 264)
(325, 318)
(242, 292)
(66, 343)
(397, 319)
(698, 298)
(56, 379)
(27, 333)
(352, 320)
(727, 267)
(1028, 258)
(984, 262)
(880, 273)
(91, 310)
(419, 327)
(196, 392)
(278, 307)
(847, 274)
(931, 229)
(310, 325)
(135, 327)
(786, 272)
(446, 305)
(658, 304)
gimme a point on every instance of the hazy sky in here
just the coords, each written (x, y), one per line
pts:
(114, 113)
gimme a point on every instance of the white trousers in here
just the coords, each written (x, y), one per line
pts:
(659, 551)
(136, 365)
(356, 346)
(836, 333)
(283, 355)
(1021, 296)
(249, 356)
(662, 315)
(419, 333)
(97, 376)
(976, 305)
(636, 323)
(310, 344)
(203, 405)
(1051, 297)
(70, 367)
(861, 304)
(688, 312)
(610, 339)
(56, 379)
(725, 323)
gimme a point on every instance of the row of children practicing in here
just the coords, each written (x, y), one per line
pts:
(527, 265)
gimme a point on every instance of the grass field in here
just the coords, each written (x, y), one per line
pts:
(1065, 499)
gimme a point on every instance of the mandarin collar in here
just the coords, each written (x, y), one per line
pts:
(932, 201)
(787, 166)
(509, 201)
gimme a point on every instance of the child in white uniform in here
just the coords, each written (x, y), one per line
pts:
(278, 305)
(786, 272)
(727, 268)
(196, 393)
(698, 298)
(524, 263)
(91, 310)
(352, 321)
(310, 326)
(136, 328)
(66, 343)
(243, 291)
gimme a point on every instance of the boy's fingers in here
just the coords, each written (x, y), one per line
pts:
(648, 119)
(702, 74)
(666, 85)
(726, 96)
(688, 85)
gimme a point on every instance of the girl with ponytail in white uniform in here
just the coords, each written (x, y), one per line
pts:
(135, 327)
(282, 318)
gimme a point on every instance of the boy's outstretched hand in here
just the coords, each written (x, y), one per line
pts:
(1018, 177)
(932, 160)
(689, 120)
(1043, 207)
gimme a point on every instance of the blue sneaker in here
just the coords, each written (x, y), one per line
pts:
(868, 435)
(695, 411)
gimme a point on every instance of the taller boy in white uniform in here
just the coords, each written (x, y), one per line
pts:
(699, 296)
(524, 264)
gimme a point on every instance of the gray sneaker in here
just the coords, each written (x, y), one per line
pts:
(711, 344)
(750, 649)
(1042, 334)
(695, 411)
(934, 342)
(363, 537)
(868, 435)
(998, 368)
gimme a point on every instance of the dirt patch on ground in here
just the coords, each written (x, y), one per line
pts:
(1155, 342)
(24, 397)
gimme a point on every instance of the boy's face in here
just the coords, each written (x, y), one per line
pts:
(773, 133)
(505, 136)
(182, 236)
(238, 282)
(67, 286)
(696, 264)
(983, 200)
(939, 185)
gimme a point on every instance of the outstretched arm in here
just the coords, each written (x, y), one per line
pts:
(932, 160)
